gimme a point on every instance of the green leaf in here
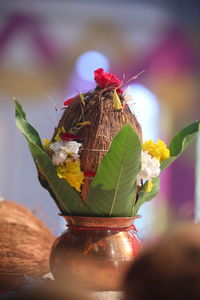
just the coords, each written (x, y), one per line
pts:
(67, 198)
(24, 127)
(144, 196)
(180, 142)
(18, 107)
(113, 189)
(28, 131)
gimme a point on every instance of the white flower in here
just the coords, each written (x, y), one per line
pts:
(65, 150)
(56, 146)
(150, 168)
(71, 147)
(68, 147)
(58, 158)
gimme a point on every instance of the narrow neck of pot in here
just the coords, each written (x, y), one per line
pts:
(100, 222)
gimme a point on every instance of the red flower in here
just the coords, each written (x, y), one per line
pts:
(104, 79)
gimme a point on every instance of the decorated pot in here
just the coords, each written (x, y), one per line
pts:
(95, 251)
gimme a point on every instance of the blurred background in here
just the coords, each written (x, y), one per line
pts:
(48, 52)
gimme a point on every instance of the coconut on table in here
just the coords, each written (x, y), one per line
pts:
(25, 244)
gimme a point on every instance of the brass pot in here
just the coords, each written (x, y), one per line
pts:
(95, 251)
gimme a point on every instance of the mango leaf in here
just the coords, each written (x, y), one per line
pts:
(144, 196)
(113, 189)
(180, 142)
(34, 136)
(18, 107)
(67, 198)
(28, 131)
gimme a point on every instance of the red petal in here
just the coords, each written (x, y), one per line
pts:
(69, 136)
(89, 174)
(120, 90)
(67, 102)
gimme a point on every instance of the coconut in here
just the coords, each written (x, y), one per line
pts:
(105, 122)
(25, 245)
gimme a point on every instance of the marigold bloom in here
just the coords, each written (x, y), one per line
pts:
(157, 150)
(71, 172)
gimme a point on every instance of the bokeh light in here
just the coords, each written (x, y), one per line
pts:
(90, 61)
(145, 106)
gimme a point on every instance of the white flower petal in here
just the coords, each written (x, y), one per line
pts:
(150, 168)
(71, 147)
(62, 154)
(58, 159)
(56, 146)
(128, 98)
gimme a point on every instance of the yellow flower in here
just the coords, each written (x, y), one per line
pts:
(46, 144)
(149, 186)
(158, 150)
(71, 172)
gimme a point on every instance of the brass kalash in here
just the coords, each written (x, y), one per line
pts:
(95, 251)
